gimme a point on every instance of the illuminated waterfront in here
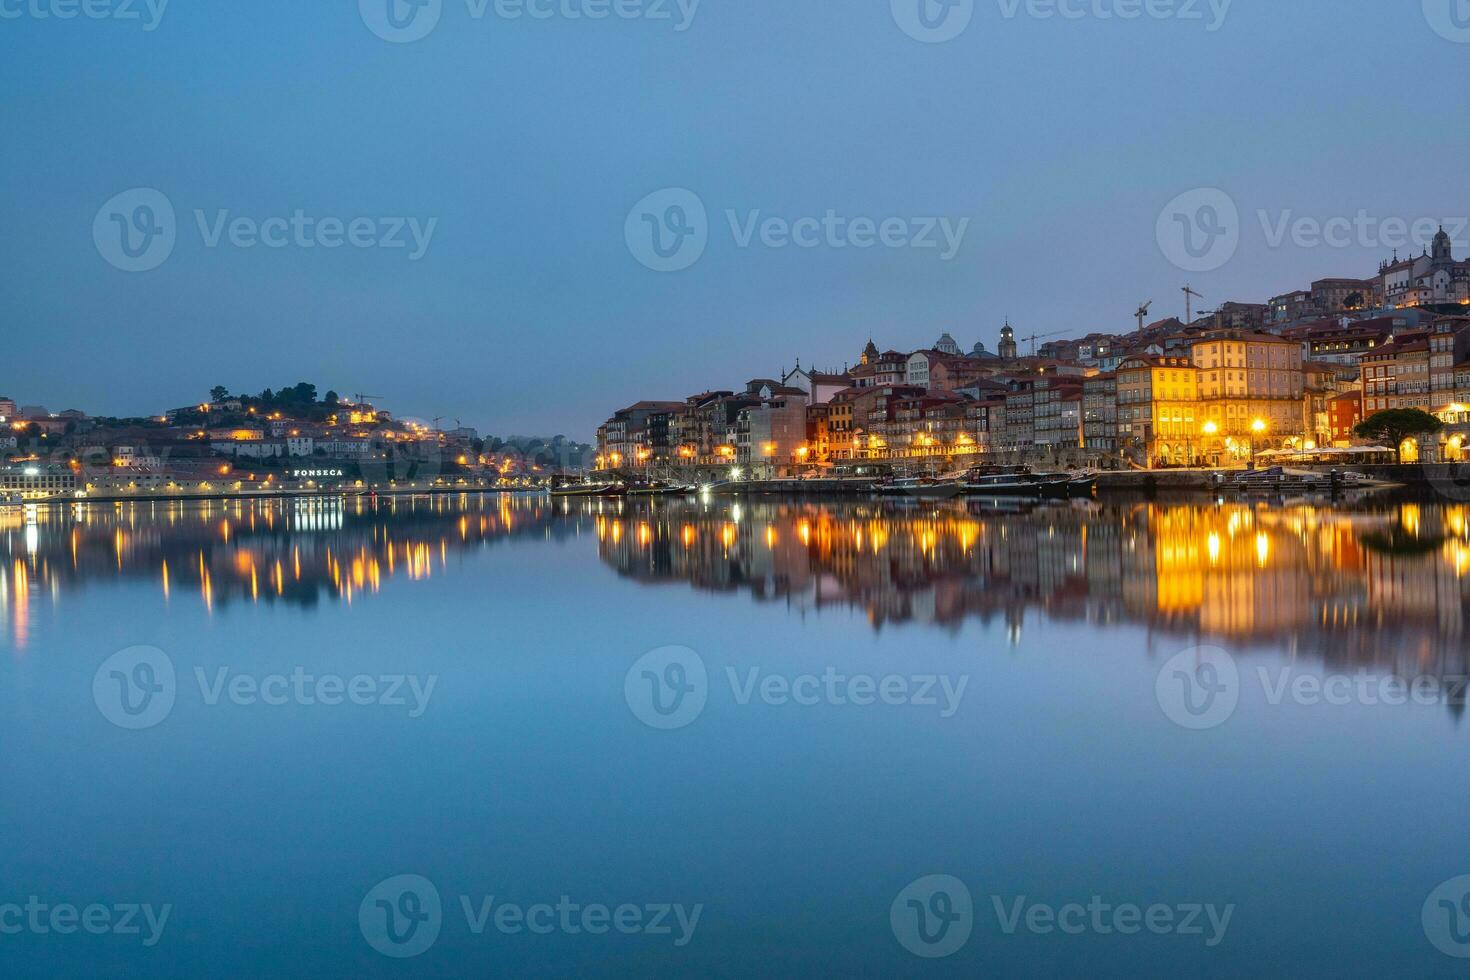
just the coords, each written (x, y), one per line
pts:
(1320, 580)
(535, 778)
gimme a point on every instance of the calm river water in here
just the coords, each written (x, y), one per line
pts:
(513, 736)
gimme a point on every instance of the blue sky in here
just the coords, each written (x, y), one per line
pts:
(527, 141)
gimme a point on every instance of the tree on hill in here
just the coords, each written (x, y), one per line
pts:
(1396, 426)
(219, 393)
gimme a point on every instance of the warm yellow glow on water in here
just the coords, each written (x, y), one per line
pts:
(1228, 570)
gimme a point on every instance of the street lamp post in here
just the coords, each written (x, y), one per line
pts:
(1258, 427)
(1210, 430)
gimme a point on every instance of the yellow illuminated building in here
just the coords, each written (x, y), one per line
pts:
(1158, 404)
(1245, 378)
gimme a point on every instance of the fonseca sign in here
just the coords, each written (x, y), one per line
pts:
(316, 474)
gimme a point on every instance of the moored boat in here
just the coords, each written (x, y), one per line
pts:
(1082, 485)
(928, 488)
(589, 490)
(661, 491)
(1018, 482)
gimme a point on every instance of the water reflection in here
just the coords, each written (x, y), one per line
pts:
(265, 551)
(1385, 586)
(1381, 586)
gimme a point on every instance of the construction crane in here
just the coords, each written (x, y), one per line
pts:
(1142, 314)
(361, 399)
(1189, 297)
(1041, 336)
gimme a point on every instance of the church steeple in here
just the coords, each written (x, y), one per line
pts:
(1007, 349)
(870, 352)
(1443, 247)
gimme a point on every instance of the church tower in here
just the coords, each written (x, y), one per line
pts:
(870, 352)
(1007, 349)
(1443, 249)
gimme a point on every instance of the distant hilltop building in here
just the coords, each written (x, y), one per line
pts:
(819, 386)
(1432, 279)
(949, 347)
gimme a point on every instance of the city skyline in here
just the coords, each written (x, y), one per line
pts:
(513, 250)
(677, 488)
